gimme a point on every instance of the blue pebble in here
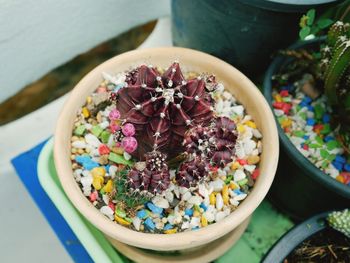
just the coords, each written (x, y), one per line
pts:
(310, 122)
(189, 212)
(155, 209)
(307, 99)
(90, 165)
(237, 191)
(328, 138)
(326, 118)
(107, 167)
(347, 167)
(337, 165)
(149, 224)
(202, 205)
(80, 159)
(340, 159)
(306, 137)
(168, 226)
(142, 214)
(303, 104)
(310, 108)
(195, 228)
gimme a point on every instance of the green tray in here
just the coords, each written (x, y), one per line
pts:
(266, 226)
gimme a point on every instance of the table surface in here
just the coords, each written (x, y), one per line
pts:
(19, 214)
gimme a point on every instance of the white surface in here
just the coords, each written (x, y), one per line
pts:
(19, 214)
(37, 36)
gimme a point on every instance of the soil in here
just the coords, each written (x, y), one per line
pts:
(328, 245)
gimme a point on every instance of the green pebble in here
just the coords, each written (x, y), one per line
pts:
(80, 130)
(243, 182)
(196, 207)
(96, 130)
(105, 136)
(314, 145)
(303, 115)
(319, 140)
(331, 145)
(324, 164)
(128, 219)
(229, 179)
(319, 111)
(326, 129)
(118, 159)
(324, 153)
(120, 213)
(102, 191)
(298, 108)
(331, 157)
(299, 133)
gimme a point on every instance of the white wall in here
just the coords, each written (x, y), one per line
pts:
(37, 36)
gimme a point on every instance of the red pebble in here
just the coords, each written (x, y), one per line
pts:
(284, 93)
(93, 196)
(306, 147)
(103, 149)
(278, 105)
(286, 108)
(242, 161)
(255, 174)
(317, 128)
(346, 176)
(213, 168)
(101, 89)
(112, 206)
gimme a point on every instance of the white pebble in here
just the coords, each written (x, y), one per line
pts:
(209, 216)
(219, 216)
(240, 197)
(185, 225)
(169, 196)
(195, 222)
(257, 133)
(234, 202)
(203, 191)
(136, 222)
(238, 110)
(172, 173)
(92, 140)
(86, 181)
(112, 170)
(249, 146)
(239, 175)
(186, 196)
(219, 202)
(105, 199)
(107, 211)
(126, 156)
(217, 185)
(78, 144)
(195, 200)
(160, 202)
(104, 124)
(278, 113)
(249, 167)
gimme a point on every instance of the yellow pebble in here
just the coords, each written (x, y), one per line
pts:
(97, 182)
(253, 159)
(121, 220)
(88, 100)
(235, 166)
(251, 124)
(170, 231)
(240, 128)
(286, 123)
(212, 198)
(85, 113)
(225, 196)
(204, 221)
(108, 187)
(278, 98)
(196, 213)
(233, 186)
(98, 171)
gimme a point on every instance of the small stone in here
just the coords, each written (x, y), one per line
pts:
(79, 144)
(92, 140)
(239, 175)
(136, 222)
(195, 200)
(186, 196)
(106, 210)
(169, 196)
(253, 159)
(142, 214)
(195, 221)
(219, 202)
(155, 209)
(217, 185)
(219, 216)
(149, 224)
(160, 202)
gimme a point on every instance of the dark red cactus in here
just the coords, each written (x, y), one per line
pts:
(192, 171)
(215, 142)
(163, 107)
(155, 177)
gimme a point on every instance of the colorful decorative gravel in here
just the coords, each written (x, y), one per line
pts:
(306, 122)
(185, 197)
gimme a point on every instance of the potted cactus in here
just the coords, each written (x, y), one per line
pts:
(308, 88)
(166, 155)
(322, 238)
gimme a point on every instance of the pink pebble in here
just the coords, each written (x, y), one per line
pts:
(103, 149)
(129, 144)
(112, 206)
(114, 127)
(93, 196)
(128, 129)
(114, 115)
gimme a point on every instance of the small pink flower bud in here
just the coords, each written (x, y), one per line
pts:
(128, 130)
(114, 127)
(114, 114)
(129, 144)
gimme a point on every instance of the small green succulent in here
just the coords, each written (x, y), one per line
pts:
(340, 221)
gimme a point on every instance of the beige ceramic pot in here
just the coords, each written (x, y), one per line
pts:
(235, 82)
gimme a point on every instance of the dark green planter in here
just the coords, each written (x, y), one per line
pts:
(243, 32)
(300, 189)
(287, 243)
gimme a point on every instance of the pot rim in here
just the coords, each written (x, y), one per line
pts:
(289, 147)
(184, 239)
(290, 240)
